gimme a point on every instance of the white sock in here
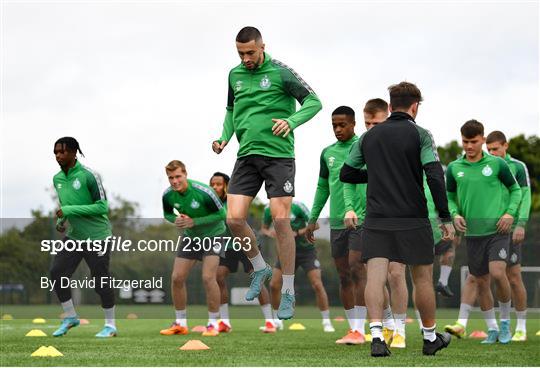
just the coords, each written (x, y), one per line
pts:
(445, 274)
(521, 321)
(69, 309)
(109, 316)
(429, 333)
(376, 330)
(489, 317)
(361, 313)
(267, 312)
(258, 262)
(212, 318)
(400, 323)
(464, 311)
(181, 317)
(224, 313)
(288, 284)
(388, 319)
(326, 317)
(274, 315)
(418, 318)
(504, 310)
(349, 313)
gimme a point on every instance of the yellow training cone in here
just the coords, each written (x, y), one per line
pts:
(43, 351)
(53, 352)
(538, 333)
(35, 333)
(194, 345)
(297, 327)
(132, 316)
(7, 317)
(38, 320)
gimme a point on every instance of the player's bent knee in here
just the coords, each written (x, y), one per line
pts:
(178, 279)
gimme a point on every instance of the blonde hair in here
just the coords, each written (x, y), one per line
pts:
(175, 164)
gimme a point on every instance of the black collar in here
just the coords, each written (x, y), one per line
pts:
(399, 115)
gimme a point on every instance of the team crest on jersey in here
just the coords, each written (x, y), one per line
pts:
(460, 174)
(331, 161)
(195, 204)
(265, 82)
(76, 184)
(288, 187)
(513, 258)
(486, 171)
(238, 85)
(502, 254)
(177, 205)
(293, 217)
(317, 263)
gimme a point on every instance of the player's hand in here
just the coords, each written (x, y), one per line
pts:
(60, 228)
(310, 229)
(59, 213)
(218, 147)
(504, 225)
(351, 220)
(448, 231)
(460, 223)
(184, 222)
(281, 127)
(519, 235)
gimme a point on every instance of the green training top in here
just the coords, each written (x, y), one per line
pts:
(299, 219)
(83, 202)
(343, 196)
(433, 214)
(256, 97)
(199, 202)
(519, 169)
(478, 192)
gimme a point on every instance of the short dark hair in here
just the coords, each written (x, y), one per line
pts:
(496, 136)
(472, 128)
(344, 110)
(247, 34)
(70, 144)
(175, 164)
(376, 105)
(225, 177)
(403, 95)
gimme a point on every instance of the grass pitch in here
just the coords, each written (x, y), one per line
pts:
(139, 342)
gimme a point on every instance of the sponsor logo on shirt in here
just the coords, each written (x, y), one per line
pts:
(76, 184)
(331, 161)
(195, 204)
(502, 254)
(238, 85)
(265, 82)
(288, 187)
(460, 174)
(486, 171)
(59, 185)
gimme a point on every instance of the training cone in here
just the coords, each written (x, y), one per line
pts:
(53, 352)
(38, 320)
(132, 316)
(297, 327)
(7, 317)
(35, 333)
(409, 320)
(538, 333)
(198, 329)
(83, 321)
(339, 319)
(368, 338)
(43, 351)
(478, 335)
(194, 345)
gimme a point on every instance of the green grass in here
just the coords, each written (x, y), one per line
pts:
(139, 342)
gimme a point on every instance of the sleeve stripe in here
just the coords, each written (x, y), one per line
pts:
(102, 194)
(297, 76)
(433, 146)
(210, 193)
(524, 169)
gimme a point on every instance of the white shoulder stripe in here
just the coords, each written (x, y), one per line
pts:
(166, 191)
(302, 82)
(210, 193)
(98, 181)
(524, 168)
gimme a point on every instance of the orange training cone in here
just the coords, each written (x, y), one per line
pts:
(194, 345)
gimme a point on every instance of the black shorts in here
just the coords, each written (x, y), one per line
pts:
(305, 258)
(484, 249)
(232, 258)
(341, 240)
(442, 247)
(515, 254)
(411, 247)
(197, 248)
(251, 171)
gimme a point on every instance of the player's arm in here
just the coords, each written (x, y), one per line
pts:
(228, 123)
(216, 209)
(168, 210)
(266, 223)
(522, 177)
(304, 215)
(451, 191)
(349, 197)
(504, 225)
(322, 193)
(97, 193)
(302, 92)
(351, 172)
(60, 221)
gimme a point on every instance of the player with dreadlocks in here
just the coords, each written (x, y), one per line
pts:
(83, 204)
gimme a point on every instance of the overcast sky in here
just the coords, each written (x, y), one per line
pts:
(142, 83)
